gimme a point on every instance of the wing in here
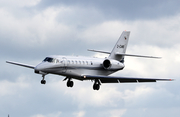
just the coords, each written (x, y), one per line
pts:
(21, 64)
(113, 79)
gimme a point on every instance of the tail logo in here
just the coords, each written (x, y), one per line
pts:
(125, 38)
(120, 46)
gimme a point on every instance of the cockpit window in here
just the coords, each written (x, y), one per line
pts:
(51, 60)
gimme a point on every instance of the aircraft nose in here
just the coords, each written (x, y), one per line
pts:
(38, 68)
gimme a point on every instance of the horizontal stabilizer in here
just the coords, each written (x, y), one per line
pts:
(21, 64)
(123, 54)
(99, 51)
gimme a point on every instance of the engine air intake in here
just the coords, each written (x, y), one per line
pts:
(106, 64)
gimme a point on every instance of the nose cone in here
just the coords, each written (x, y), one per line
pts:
(40, 67)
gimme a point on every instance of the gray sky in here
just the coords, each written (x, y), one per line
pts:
(30, 30)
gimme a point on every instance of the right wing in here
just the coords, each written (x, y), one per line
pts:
(114, 79)
(21, 64)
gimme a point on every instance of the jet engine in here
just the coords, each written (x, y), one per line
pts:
(107, 64)
(112, 64)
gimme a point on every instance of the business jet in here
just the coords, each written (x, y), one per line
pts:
(86, 68)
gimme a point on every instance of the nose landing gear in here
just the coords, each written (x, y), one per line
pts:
(43, 81)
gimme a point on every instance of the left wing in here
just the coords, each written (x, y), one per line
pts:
(113, 79)
(21, 64)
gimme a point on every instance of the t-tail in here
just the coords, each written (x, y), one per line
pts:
(120, 48)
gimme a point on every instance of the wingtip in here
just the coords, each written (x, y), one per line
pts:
(7, 61)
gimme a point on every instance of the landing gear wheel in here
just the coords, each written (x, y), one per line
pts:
(70, 83)
(43, 81)
(96, 86)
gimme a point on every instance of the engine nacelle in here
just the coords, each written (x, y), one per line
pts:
(107, 64)
(112, 65)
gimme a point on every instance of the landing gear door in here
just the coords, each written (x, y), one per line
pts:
(65, 64)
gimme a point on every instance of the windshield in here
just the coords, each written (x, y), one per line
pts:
(51, 60)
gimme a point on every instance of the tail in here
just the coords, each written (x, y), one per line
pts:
(120, 47)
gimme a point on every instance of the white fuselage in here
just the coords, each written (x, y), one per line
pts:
(76, 67)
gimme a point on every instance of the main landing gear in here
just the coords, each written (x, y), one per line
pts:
(96, 85)
(43, 81)
(69, 82)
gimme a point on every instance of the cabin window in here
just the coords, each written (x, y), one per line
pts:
(79, 62)
(91, 63)
(76, 62)
(68, 61)
(87, 62)
(83, 62)
(72, 62)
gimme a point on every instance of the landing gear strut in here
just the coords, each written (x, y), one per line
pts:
(96, 85)
(43, 81)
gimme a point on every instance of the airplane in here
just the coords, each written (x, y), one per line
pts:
(89, 68)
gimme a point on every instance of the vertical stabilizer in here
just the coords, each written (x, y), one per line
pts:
(120, 47)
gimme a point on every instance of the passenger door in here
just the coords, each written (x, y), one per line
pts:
(64, 69)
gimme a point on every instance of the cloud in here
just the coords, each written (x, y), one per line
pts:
(10, 88)
(57, 114)
(117, 113)
(126, 10)
(19, 3)
(53, 27)
(79, 114)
